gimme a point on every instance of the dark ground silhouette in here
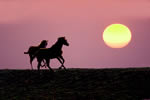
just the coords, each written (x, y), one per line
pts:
(76, 84)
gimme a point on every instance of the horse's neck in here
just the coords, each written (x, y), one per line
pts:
(57, 46)
(41, 46)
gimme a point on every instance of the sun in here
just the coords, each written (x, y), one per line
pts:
(117, 35)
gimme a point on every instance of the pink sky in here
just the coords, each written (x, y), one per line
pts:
(26, 22)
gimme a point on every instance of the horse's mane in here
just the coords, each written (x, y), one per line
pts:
(43, 44)
(58, 42)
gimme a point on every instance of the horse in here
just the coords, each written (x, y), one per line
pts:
(33, 49)
(55, 51)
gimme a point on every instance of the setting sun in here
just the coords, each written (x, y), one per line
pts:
(117, 36)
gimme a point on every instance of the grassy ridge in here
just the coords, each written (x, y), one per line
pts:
(75, 84)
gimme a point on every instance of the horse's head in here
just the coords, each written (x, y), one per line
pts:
(63, 41)
(43, 44)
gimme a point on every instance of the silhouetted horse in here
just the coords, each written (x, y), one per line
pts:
(50, 53)
(33, 49)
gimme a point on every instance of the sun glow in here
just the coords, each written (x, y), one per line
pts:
(117, 36)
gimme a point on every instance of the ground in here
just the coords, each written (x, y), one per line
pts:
(75, 84)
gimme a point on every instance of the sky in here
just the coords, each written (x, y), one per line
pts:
(24, 23)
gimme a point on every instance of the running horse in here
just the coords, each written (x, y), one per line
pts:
(33, 49)
(55, 51)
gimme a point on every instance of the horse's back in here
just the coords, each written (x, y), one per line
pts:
(47, 53)
(42, 52)
(33, 49)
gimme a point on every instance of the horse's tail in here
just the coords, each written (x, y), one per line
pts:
(26, 52)
(30, 50)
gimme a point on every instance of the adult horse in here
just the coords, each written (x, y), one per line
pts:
(33, 49)
(50, 53)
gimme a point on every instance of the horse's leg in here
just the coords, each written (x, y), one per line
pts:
(44, 63)
(48, 62)
(39, 64)
(62, 63)
(30, 55)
